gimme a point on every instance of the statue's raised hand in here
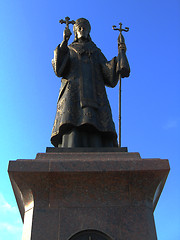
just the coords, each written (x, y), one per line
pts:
(66, 35)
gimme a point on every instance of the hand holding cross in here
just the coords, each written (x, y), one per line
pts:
(67, 33)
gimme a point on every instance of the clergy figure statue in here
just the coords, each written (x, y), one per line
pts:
(83, 117)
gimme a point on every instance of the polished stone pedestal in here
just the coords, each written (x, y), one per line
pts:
(60, 194)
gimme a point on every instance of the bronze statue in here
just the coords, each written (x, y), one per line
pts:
(83, 117)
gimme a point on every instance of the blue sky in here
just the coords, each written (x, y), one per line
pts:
(150, 96)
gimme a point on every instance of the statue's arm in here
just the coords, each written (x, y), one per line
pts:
(61, 57)
(109, 71)
(123, 67)
(112, 69)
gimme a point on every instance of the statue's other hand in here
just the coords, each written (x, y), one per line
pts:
(122, 65)
(66, 35)
(124, 72)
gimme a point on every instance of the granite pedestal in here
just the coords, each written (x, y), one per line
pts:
(61, 194)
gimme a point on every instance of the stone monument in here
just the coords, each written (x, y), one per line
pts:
(86, 187)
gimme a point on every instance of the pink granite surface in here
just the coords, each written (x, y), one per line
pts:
(111, 192)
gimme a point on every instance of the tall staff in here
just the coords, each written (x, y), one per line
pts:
(122, 67)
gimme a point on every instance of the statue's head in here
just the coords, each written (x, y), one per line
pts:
(82, 29)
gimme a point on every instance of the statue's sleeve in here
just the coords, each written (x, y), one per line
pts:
(60, 60)
(109, 71)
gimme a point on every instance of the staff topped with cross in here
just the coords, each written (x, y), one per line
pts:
(121, 41)
(122, 66)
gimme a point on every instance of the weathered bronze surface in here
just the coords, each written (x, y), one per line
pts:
(83, 117)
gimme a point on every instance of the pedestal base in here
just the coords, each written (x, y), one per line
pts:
(111, 193)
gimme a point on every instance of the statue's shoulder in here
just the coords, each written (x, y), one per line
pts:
(101, 55)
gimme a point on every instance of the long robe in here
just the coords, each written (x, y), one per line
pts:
(82, 98)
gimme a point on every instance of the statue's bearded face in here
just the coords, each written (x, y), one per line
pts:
(82, 31)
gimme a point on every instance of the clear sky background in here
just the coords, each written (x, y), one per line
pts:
(29, 33)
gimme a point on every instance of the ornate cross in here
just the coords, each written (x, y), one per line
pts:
(67, 22)
(120, 28)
